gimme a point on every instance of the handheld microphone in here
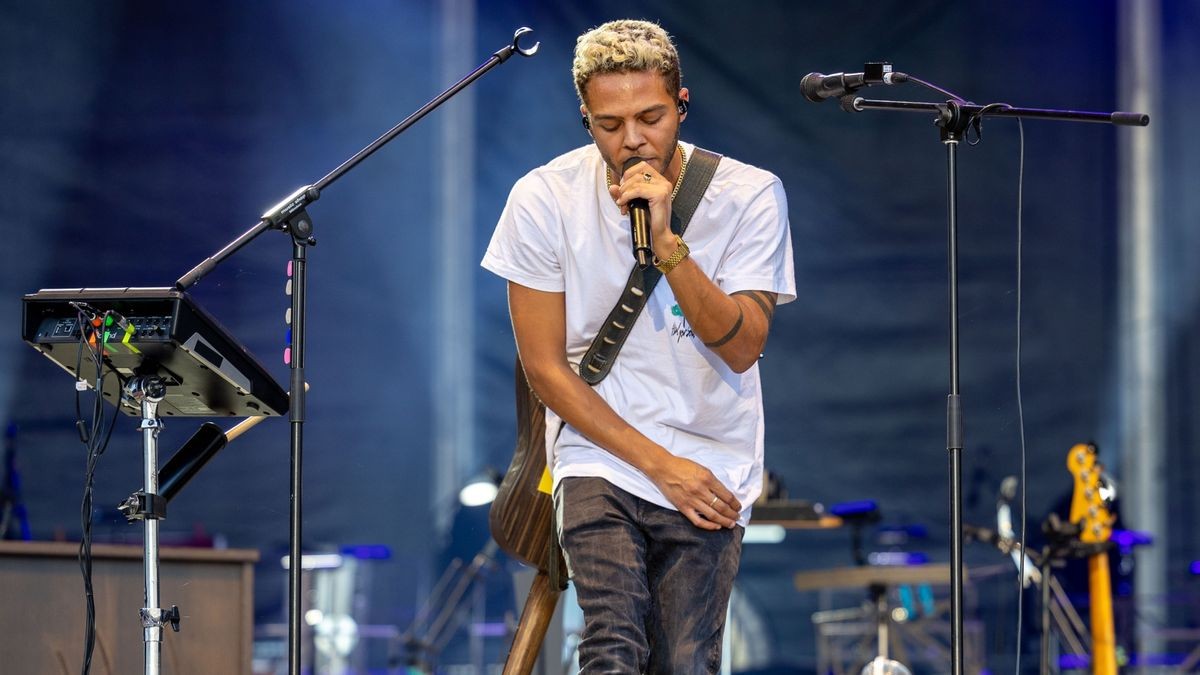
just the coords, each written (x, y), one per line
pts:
(817, 87)
(639, 224)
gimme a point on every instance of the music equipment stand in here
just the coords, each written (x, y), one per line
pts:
(873, 618)
(148, 391)
(290, 217)
(169, 356)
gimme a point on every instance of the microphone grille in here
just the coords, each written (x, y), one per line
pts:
(810, 87)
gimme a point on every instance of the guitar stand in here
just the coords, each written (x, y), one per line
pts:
(422, 644)
(149, 507)
(1062, 544)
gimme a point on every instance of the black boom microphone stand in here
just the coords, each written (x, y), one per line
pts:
(291, 217)
(953, 119)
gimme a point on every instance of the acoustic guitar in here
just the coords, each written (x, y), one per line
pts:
(1090, 511)
(521, 521)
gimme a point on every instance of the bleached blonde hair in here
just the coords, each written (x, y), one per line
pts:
(624, 46)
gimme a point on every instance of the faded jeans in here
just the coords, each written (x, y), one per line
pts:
(653, 587)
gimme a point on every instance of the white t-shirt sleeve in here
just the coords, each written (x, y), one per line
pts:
(526, 245)
(759, 257)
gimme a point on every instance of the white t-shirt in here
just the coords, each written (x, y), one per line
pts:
(561, 232)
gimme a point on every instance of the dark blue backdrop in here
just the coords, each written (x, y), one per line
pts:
(137, 138)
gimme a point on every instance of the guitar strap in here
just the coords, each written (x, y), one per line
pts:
(598, 360)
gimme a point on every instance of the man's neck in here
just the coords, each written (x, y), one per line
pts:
(674, 166)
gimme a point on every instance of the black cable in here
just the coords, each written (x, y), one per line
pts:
(85, 509)
(95, 440)
(94, 459)
(1020, 404)
(975, 121)
(85, 563)
(938, 89)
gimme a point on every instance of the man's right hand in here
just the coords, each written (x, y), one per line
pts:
(539, 324)
(696, 492)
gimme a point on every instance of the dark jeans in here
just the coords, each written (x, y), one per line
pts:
(653, 587)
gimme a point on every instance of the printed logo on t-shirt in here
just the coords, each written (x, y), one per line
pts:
(682, 330)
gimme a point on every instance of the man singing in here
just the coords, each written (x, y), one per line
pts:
(656, 465)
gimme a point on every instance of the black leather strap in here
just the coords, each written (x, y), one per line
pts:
(616, 328)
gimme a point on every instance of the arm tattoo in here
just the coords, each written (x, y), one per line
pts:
(766, 301)
(737, 326)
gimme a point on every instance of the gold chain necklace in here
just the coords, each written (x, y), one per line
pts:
(678, 181)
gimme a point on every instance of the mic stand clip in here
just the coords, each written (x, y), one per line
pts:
(140, 506)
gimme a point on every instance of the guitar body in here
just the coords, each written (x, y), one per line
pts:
(521, 519)
(1089, 509)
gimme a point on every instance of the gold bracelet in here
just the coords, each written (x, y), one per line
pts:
(677, 257)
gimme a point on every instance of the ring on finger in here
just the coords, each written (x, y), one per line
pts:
(714, 501)
(647, 176)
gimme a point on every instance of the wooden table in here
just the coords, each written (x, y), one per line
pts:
(863, 577)
(43, 610)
